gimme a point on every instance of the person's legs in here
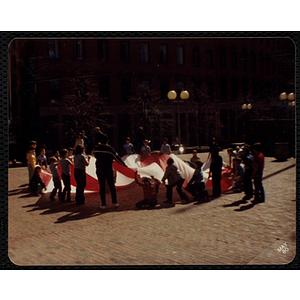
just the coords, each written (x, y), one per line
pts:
(179, 189)
(101, 180)
(248, 184)
(65, 180)
(216, 183)
(261, 188)
(68, 187)
(80, 178)
(169, 194)
(111, 183)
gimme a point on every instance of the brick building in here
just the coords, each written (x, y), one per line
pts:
(125, 81)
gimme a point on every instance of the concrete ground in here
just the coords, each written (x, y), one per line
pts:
(224, 231)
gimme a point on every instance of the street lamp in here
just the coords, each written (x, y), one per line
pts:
(290, 97)
(247, 106)
(184, 95)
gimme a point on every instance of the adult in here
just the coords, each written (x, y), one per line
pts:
(247, 160)
(139, 138)
(105, 155)
(80, 163)
(213, 147)
(86, 142)
(258, 166)
(98, 135)
(216, 172)
(175, 178)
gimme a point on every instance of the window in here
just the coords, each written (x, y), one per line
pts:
(180, 87)
(197, 89)
(103, 50)
(253, 61)
(54, 49)
(234, 88)
(164, 89)
(244, 59)
(209, 59)
(261, 63)
(196, 57)
(145, 52)
(222, 57)
(54, 90)
(180, 55)
(125, 89)
(234, 59)
(79, 49)
(163, 54)
(223, 88)
(125, 51)
(104, 89)
(245, 87)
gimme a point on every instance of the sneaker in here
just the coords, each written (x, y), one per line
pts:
(51, 198)
(70, 200)
(116, 205)
(102, 207)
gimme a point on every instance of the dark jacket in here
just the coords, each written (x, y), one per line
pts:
(216, 164)
(105, 155)
(34, 181)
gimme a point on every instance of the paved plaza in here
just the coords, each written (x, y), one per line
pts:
(224, 231)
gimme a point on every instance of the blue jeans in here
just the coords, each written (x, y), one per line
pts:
(80, 178)
(259, 189)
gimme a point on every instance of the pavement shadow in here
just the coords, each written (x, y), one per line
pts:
(245, 207)
(74, 212)
(23, 189)
(18, 192)
(236, 203)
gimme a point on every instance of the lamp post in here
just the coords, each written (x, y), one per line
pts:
(184, 95)
(290, 97)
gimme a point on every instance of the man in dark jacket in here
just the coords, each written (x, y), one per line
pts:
(216, 172)
(105, 155)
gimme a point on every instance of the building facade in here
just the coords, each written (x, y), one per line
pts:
(59, 86)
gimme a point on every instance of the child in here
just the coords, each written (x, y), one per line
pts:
(80, 163)
(78, 141)
(238, 175)
(31, 162)
(55, 177)
(165, 148)
(231, 153)
(175, 178)
(145, 150)
(193, 159)
(196, 185)
(150, 188)
(57, 155)
(36, 183)
(128, 147)
(66, 175)
(42, 159)
(33, 144)
(70, 153)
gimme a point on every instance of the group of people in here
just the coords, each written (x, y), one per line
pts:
(246, 167)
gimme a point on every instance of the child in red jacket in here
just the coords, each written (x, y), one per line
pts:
(150, 187)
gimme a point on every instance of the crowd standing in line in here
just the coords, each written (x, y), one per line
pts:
(248, 165)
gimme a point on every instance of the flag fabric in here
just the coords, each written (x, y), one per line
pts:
(146, 166)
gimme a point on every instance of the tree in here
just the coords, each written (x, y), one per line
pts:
(83, 110)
